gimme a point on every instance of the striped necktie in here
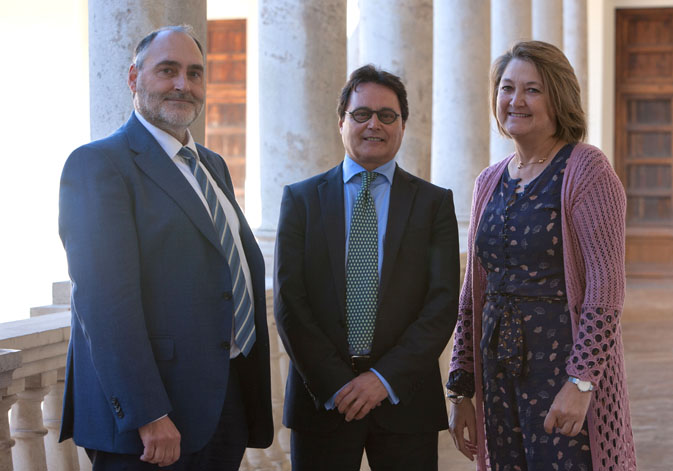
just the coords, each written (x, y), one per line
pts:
(244, 319)
(362, 270)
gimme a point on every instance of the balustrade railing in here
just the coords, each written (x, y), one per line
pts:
(32, 371)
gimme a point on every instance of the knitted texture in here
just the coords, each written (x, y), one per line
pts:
(593, 219)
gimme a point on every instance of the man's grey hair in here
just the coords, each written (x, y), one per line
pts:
(141, 48)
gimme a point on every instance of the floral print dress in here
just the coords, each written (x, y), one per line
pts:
(526, 325)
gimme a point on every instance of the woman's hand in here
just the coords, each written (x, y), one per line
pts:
(461, 417)
(568, 411)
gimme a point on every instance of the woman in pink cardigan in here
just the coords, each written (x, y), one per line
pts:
(538, 339)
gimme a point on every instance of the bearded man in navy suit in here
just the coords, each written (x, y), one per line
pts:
(157, 375)
(366, 295)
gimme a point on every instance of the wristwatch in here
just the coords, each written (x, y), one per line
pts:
(583, 386)
(453, 397)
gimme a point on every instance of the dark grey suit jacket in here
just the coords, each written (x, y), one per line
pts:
(418, 299)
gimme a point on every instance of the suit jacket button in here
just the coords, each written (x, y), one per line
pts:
(227, 295)
(120, 414)
(225, 345)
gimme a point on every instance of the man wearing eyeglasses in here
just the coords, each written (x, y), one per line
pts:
(366, 295)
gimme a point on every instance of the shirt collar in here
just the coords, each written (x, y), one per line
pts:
(352, 168)
(168, 143)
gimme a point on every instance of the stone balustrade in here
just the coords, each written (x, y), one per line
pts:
(32, 372)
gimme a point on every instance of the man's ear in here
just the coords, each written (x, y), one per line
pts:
(341, 125)
(133, 78)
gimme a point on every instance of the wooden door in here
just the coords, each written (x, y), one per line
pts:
(643, 136)
(225, 97)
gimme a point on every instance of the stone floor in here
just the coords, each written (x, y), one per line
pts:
(648, 341)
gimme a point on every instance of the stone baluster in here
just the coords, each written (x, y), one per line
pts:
(279, 452)
(244, 466)
(6, 441)
(276, 457)
(283, 435)
(61, 456)
(27, 425)
(84, 461)
(10, 360)
(257, 460)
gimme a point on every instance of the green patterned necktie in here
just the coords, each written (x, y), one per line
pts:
(362, 270)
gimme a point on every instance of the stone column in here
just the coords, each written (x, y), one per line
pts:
(27, 424)
(114, 30)
(575, 41)
(548, 21)
(61, 456)
(510, 21)
(397, 36)
(302, 67)
(354, 50)
(460, 114)
(10, 360)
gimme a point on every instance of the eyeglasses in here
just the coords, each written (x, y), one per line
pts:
(362, 115)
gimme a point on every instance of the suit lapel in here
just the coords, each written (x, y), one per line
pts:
(153, 161)
(402, 193)
(331, 194)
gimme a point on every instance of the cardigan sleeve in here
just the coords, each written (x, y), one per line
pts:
(598, 217)
(462, 357)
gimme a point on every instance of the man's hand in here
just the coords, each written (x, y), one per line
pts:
(360, 395)
(568, 411)
(162, 442)
(463, 417)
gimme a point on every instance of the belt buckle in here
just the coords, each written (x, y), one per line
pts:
(356, 361)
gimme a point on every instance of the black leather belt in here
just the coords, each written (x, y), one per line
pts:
(361, 363)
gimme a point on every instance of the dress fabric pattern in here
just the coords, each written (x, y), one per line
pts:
(526, 330)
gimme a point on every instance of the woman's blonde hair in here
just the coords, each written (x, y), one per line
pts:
(559, 81)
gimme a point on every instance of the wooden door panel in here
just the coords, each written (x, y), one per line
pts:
(644, 136)
(645, 28)
(648, 144)
(226, 97)
(649, 66)
(652, 111)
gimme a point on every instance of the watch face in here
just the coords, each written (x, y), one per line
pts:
(584, 386)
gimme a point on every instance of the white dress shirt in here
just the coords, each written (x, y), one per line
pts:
(172, 146)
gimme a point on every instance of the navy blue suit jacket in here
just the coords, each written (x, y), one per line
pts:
(418, 301)
(151, 299)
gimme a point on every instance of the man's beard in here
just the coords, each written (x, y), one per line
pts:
(156, 111)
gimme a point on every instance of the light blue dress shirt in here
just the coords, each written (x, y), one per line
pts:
(380, 191)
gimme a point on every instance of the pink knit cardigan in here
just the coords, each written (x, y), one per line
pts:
(593, 207)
